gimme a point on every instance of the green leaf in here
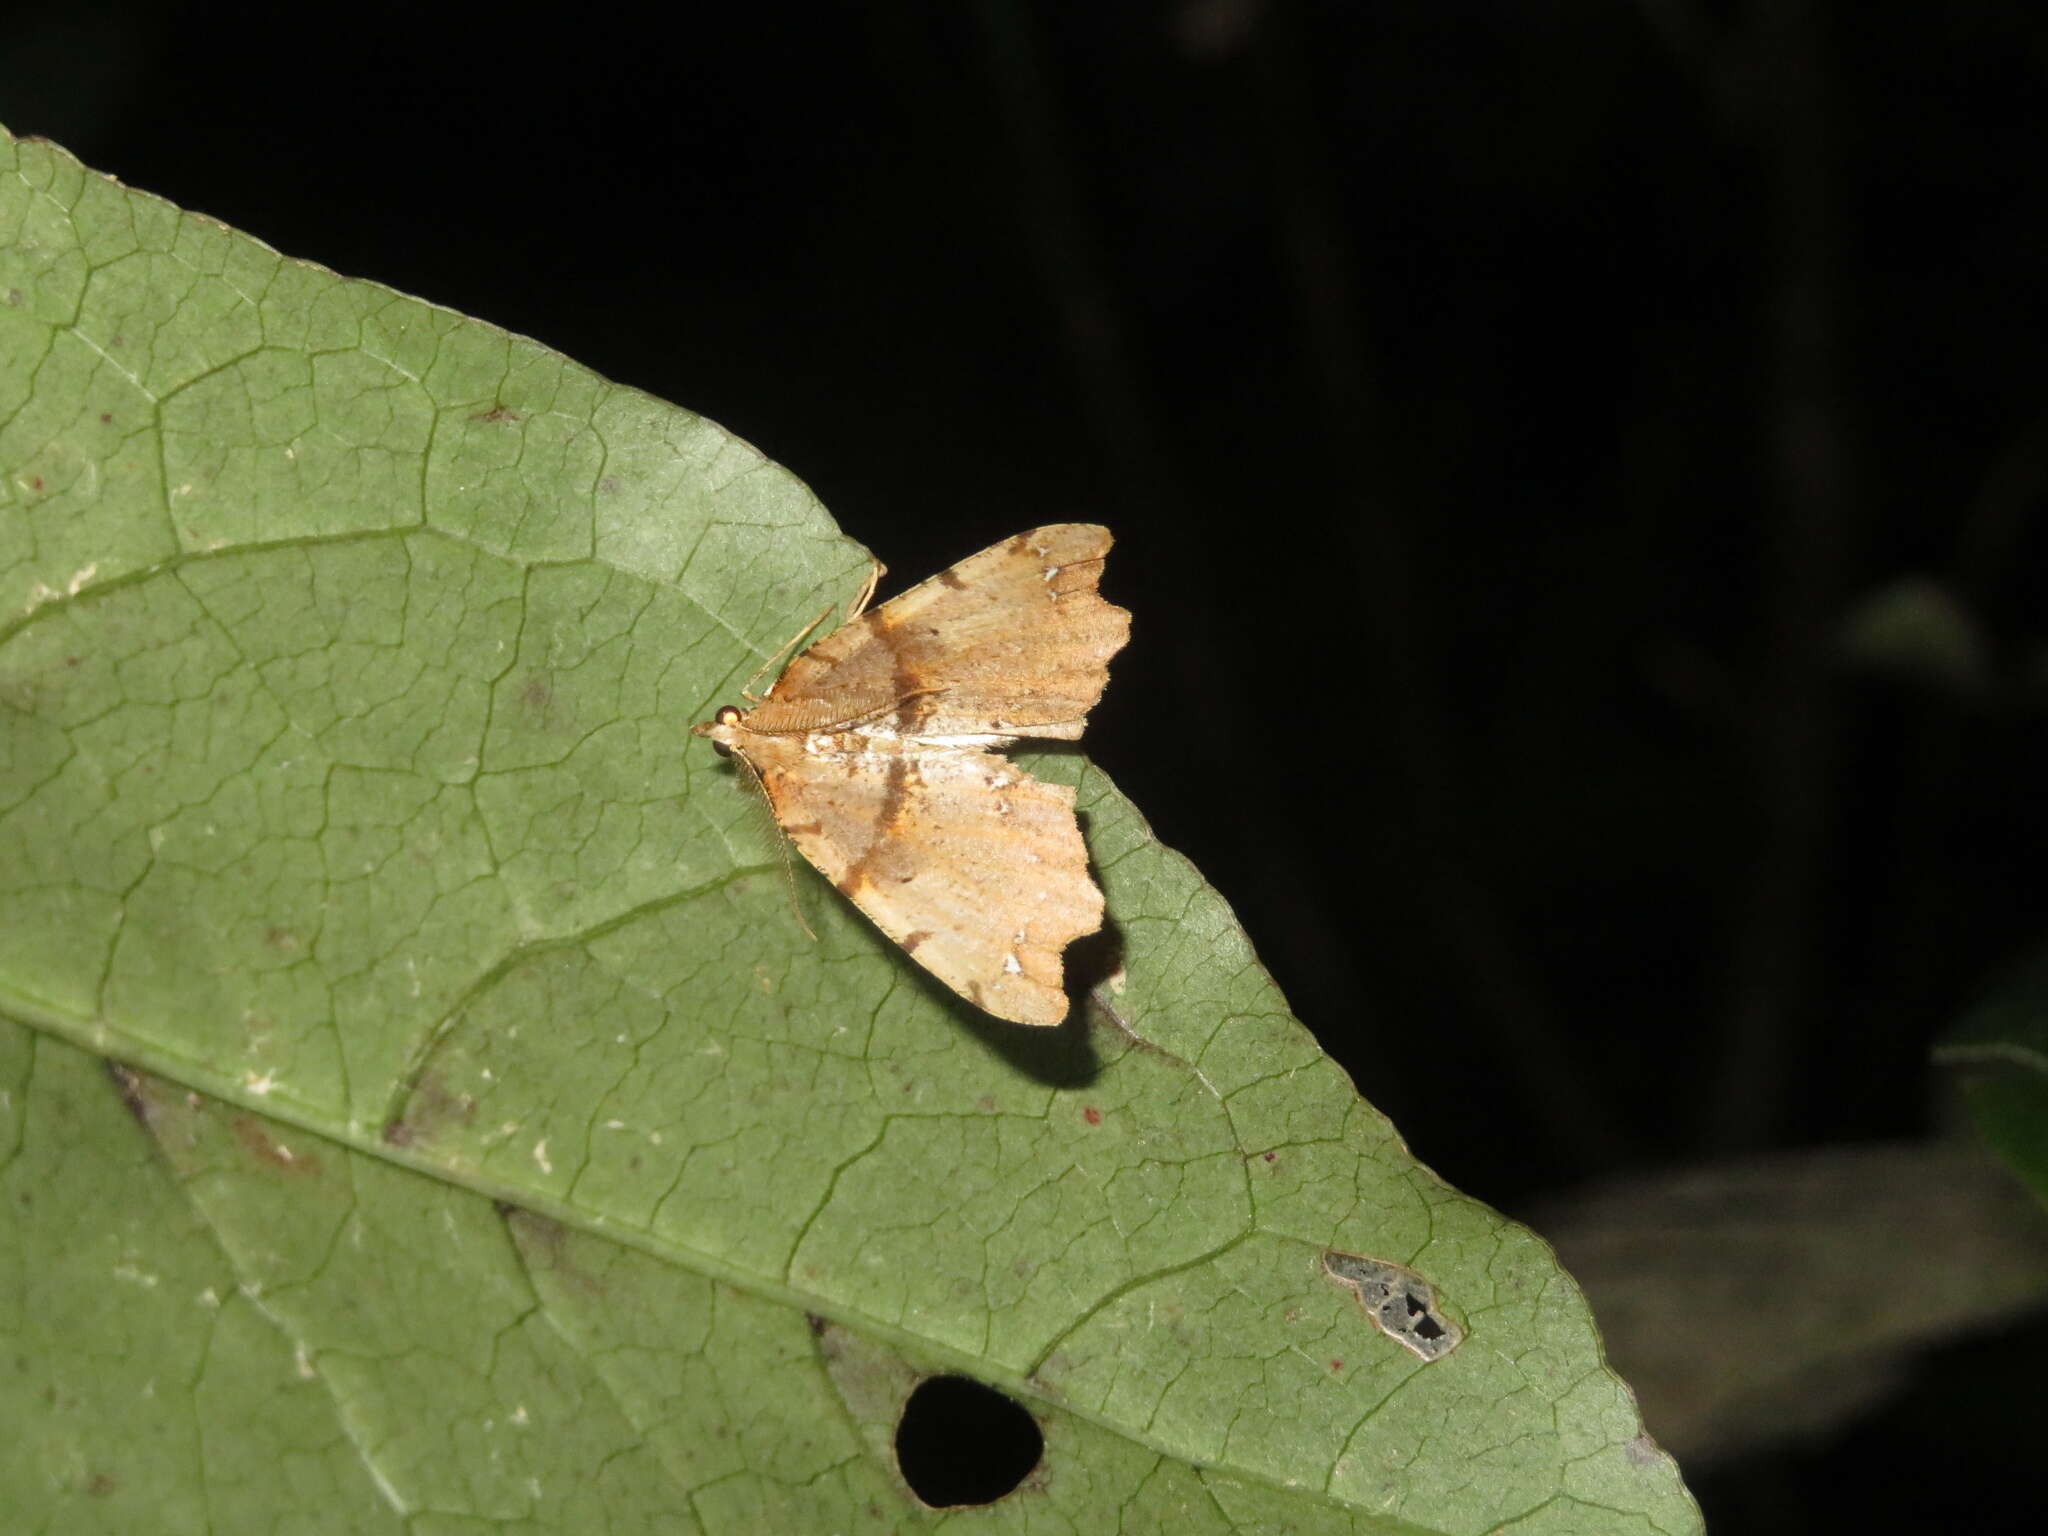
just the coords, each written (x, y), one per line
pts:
(500, 1152)
(2001, 1050)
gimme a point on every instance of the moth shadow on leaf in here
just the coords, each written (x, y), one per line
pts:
(1063, 1056)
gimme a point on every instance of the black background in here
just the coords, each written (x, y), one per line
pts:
(1500, 408)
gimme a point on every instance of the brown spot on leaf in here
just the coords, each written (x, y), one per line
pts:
(257, 1141)
(429, 1107)
(1642, 1451)
(546, 1249)
(128, 1083)
(540, 1238)
(1092, 1115)
(497, 413)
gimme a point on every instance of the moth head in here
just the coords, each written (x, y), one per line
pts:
(720, 728)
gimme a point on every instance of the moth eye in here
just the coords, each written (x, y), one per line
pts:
(728, 714)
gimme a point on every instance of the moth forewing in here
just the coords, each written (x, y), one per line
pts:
(872, 751)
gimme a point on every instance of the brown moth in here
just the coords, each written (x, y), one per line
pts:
(874, 750)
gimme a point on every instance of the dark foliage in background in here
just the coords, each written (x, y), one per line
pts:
(1502, 409)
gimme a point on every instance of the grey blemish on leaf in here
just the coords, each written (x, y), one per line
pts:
(128, 1084)
(1401, 1304)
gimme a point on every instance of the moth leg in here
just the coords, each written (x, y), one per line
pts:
(859, 606)
(867, 593)
(795, 640)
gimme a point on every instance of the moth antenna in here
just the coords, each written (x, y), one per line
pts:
(796, 906)
(782, 844)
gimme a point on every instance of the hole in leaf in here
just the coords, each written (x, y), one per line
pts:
(1400, 1302)
(959, 1442)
